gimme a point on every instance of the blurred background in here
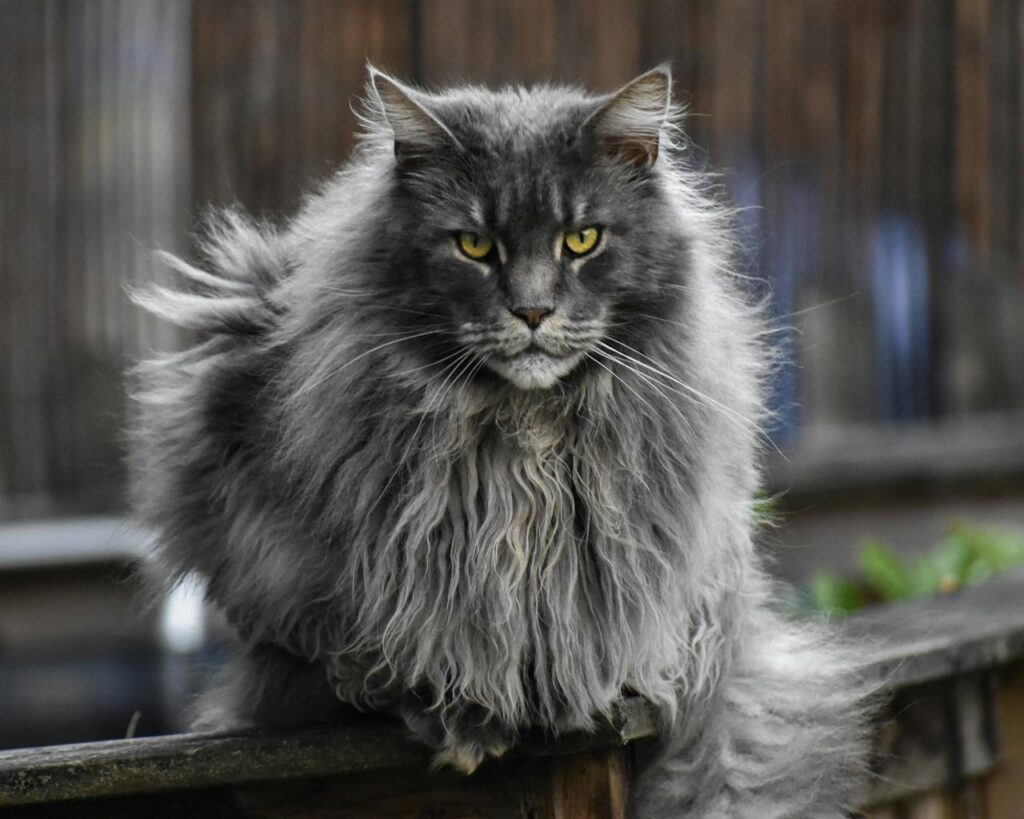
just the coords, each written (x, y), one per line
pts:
(877, 147)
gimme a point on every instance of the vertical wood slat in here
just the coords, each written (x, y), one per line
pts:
(495, 43)
(930, 806)
(1003, 96)
(29, 221)
(7, 149)
(588, 786)
(1016, 148)
(1004, 790)
(972, 124)
(734, 99)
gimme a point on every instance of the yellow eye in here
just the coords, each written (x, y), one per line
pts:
(475, 245)
(581, 242)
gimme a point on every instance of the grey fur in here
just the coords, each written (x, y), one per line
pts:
(388, 491)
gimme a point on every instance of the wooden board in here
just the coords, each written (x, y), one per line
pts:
(196, 761)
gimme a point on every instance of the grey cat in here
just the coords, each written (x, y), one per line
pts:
(473, 440)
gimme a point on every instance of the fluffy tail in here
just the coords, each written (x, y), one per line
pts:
(785, 736)
(232, 293)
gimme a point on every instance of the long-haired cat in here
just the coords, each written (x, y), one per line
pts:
(473, 440)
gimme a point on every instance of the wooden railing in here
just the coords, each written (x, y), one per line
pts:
(950, 743)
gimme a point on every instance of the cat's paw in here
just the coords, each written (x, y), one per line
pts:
(462, 736)
(465, 754)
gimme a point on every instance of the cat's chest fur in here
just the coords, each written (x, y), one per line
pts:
(514, 496)
(528, 592)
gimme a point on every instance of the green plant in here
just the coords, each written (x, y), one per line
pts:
(966, 554)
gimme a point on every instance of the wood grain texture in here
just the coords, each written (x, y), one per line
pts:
(1004, 790)
(274, 83)
(590, 786)
(973, 120)
(191, 761)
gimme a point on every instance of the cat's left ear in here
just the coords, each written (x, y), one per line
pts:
(628, 126)
(417, 130)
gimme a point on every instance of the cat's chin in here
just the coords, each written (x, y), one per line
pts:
(534, 369)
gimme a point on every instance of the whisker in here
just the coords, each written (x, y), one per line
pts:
(379, 294)
(311, 386)
(415, 435)
(658, 388)
(410, 311)
(448, 357)
(393, 333)
(696, 394)
(622, 381)
(665, 320)
(820, 306)
(462, 368)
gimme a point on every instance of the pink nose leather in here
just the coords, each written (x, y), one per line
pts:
(532, 315)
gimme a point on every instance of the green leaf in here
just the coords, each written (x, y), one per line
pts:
(835, 596)
(952, 560)
(925, 577)
(966, 554)
(1000, 550)
(885, 572)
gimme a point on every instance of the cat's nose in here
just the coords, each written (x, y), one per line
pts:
(533, 315)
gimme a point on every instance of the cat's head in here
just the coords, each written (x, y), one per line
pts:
(531, 223)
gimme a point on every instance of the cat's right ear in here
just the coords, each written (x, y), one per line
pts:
(417, 131)
(628, 124)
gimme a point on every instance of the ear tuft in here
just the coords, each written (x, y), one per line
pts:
(417, 131)
(628, 125)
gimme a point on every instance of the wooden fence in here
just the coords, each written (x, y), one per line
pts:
(881, 143)
(948, 745)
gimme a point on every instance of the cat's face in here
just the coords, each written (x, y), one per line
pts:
(530, 221)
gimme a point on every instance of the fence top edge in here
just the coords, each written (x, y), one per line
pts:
(977, 628)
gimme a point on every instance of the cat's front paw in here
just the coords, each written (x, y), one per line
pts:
(466, 755)
(463, 735)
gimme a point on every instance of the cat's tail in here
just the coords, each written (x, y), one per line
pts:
(231, 291)
(785, 736)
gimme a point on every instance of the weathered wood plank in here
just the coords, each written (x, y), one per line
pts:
(192, 761)
(979, 627)
(592, 785)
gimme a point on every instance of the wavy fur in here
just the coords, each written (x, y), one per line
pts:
(390, 524)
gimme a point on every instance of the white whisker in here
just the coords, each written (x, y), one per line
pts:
(313, 385)
(695, 395)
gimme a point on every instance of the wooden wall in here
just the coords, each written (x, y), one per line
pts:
(94, 171)
(879, 145)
